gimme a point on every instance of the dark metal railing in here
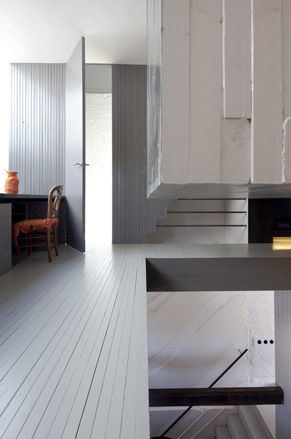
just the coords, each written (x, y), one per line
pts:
(163, 435)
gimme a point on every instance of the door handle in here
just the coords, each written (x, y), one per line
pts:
(81, 164)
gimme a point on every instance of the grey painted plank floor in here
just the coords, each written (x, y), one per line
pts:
(73, 343)
(73, 354)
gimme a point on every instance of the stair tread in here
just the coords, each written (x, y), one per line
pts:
(252, 424)
(236, 427)
(222, 432)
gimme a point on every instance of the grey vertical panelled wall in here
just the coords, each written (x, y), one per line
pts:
(133, 214)
(37, 132)
(98, 78)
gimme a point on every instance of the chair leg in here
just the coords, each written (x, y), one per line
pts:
(29, 243)
(48, 234)
(56, 240)
(16, 248)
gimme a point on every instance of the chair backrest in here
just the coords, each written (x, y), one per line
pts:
(54, 201)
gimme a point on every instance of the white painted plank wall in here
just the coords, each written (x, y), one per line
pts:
(283, 361)
(235, 150)
(154, 12)
(206, 90)
(237, 58)
(233, 59)
(267, 91)
(175, 99)
(286, 74)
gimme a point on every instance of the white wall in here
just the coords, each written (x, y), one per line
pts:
(283, 361)
(4, 119)
(193, 337)
(225, 94)
(99, 173)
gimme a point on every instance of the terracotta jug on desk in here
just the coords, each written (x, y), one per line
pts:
(11, 182)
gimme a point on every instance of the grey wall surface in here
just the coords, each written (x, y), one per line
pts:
(37, 131)
(133, 215)
(98, 78)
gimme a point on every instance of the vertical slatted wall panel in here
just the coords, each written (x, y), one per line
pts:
(37, 132)
(133, 215)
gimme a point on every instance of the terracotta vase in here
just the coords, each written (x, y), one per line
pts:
(11, 182)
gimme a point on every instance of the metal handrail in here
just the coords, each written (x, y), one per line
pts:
(209, 387)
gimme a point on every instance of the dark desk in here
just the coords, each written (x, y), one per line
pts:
(19, 207)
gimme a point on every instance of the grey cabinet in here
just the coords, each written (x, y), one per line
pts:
(5, 237)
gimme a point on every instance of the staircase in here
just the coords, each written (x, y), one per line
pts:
(246, 424)
(203, 221)
(243, 422)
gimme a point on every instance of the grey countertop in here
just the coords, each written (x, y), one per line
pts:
(5, 196)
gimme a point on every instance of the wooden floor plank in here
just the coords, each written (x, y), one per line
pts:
(111, 407)
(135, 422)
(62, 370)
(23, 308)
(60, 295)
(81, 369)
(98, 376)
(40, 331)
(48, 360)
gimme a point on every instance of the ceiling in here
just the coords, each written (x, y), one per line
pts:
(48, 30)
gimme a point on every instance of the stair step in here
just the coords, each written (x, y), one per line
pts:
(236, 427)
(197, 219)
(198, 235)
(252, 424)
(216, 205)
(190, 429)
(222, 432)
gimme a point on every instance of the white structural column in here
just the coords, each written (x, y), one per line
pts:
(283, 361)
(206, 90)
(176, 90)
(286, 56)
(286, 62)
(223, 98)
(237, 59)
(267, 91)
(235, 150)
(286, 152)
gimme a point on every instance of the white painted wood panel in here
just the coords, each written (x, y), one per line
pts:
(267, 91)
(283, 360)
(286, 74)
(286, 57)
(235, 150)
(206, 90)
(175, 91)
(237, 58)
(236, 67)
(286, 153)
(154, 92)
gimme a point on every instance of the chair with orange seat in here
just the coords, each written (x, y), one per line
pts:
(48, 225)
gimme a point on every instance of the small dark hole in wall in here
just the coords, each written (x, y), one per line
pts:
(265, 341)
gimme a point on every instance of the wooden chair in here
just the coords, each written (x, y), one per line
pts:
(48, 225)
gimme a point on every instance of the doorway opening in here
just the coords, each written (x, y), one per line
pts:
(98, 155)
